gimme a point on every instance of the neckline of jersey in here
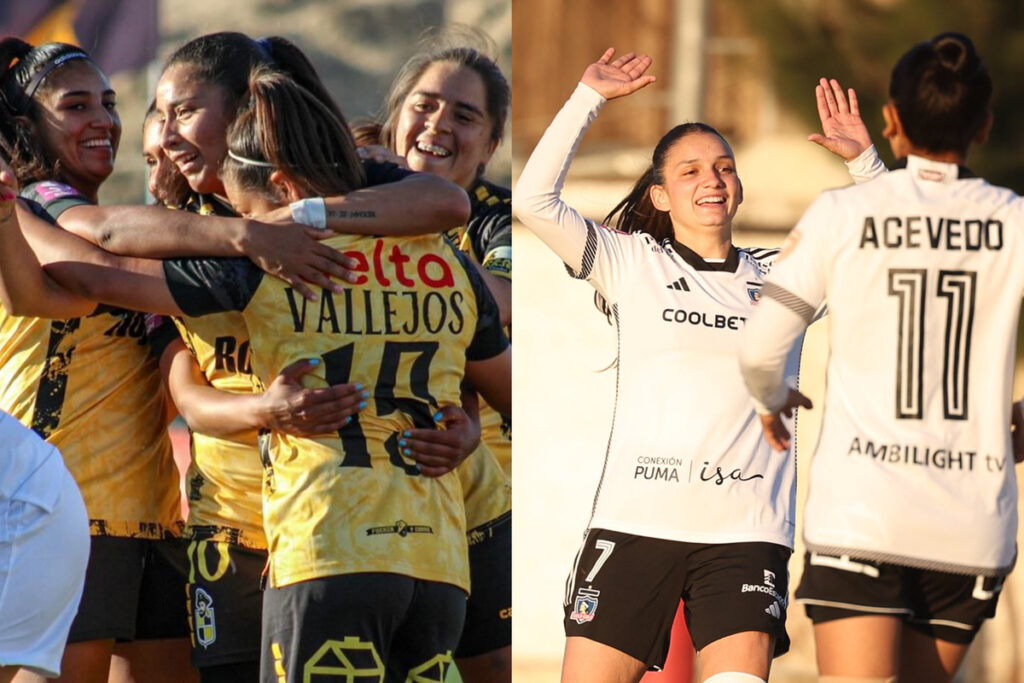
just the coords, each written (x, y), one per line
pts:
(697, 262)
(962, 172)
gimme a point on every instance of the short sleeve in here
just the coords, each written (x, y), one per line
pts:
(53, 197)
(212, 285)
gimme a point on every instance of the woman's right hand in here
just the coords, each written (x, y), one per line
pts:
(842, 129)
(622, 77)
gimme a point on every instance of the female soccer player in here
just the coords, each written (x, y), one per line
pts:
(446, 115)
(86, 383)
(704, 513)
(911, 519)
(44, 546)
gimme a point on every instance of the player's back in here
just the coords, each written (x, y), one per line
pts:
(924, 280)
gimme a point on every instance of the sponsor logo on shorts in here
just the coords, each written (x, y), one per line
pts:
(205, 624)
(774, 610)
(768, 588)
(585, 605)
(401, 528)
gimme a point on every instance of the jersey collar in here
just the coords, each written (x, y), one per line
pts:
(729, 265)
(920, 165)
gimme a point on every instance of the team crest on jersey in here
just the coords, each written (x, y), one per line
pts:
(754, 292)
(585, 606)
(202, 615)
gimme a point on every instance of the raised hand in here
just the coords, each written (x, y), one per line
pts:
(842, 130)
(622, 77)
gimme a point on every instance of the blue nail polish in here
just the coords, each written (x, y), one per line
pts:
(366, 394)
(438, 416)
(402, 442)
(417, 466)
(359, 386)
(407, 451)
(362, 405)
(314, 361)
(347, 420)
(407, 433)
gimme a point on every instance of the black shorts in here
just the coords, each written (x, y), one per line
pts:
(625, 590)
(365, 626)
(940, 605)
(489, 609)
(133, 591)
(225, 602)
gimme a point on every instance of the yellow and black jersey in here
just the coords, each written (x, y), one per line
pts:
(91, 387)
(225, 475)
(487, 238)
(224, 478)
(350, 502)
(487, 491)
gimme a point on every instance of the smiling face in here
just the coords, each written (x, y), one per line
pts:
(152, 154)
(443, 127)
(196, 120)
(78, 125)
(701, 190)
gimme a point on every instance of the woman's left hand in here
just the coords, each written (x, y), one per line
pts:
(618, 78)
(439, 451)
(842, 129)
(775, 430)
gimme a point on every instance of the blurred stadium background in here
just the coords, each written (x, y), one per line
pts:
(748, 67)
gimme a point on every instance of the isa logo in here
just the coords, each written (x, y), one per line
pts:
(205, 625)
(585, 606)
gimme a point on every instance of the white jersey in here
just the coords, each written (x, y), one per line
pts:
(686, 460)
(922, 270)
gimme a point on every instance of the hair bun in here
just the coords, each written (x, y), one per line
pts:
(954, 51)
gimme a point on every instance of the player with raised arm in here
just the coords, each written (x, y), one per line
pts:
(707, 518)
(911, 517)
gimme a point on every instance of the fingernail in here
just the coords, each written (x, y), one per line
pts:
(407, 433)
(366, 394)
(314, 361)
(417, 466)
(438, 416)
(352, 277)
(336, 288)
(347, 420)
(407, 452)
(358, 386)
(402, 442)
(362, 405)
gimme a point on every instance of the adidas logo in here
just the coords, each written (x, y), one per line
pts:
(679, 285)
(774, 610)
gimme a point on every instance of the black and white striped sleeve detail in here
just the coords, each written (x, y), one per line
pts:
(789, 300)
(589, 254)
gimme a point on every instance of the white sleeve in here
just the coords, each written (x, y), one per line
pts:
(790, 298)
(590, 251)
(866, 166)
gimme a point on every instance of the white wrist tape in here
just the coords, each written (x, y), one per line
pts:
(311, 212)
